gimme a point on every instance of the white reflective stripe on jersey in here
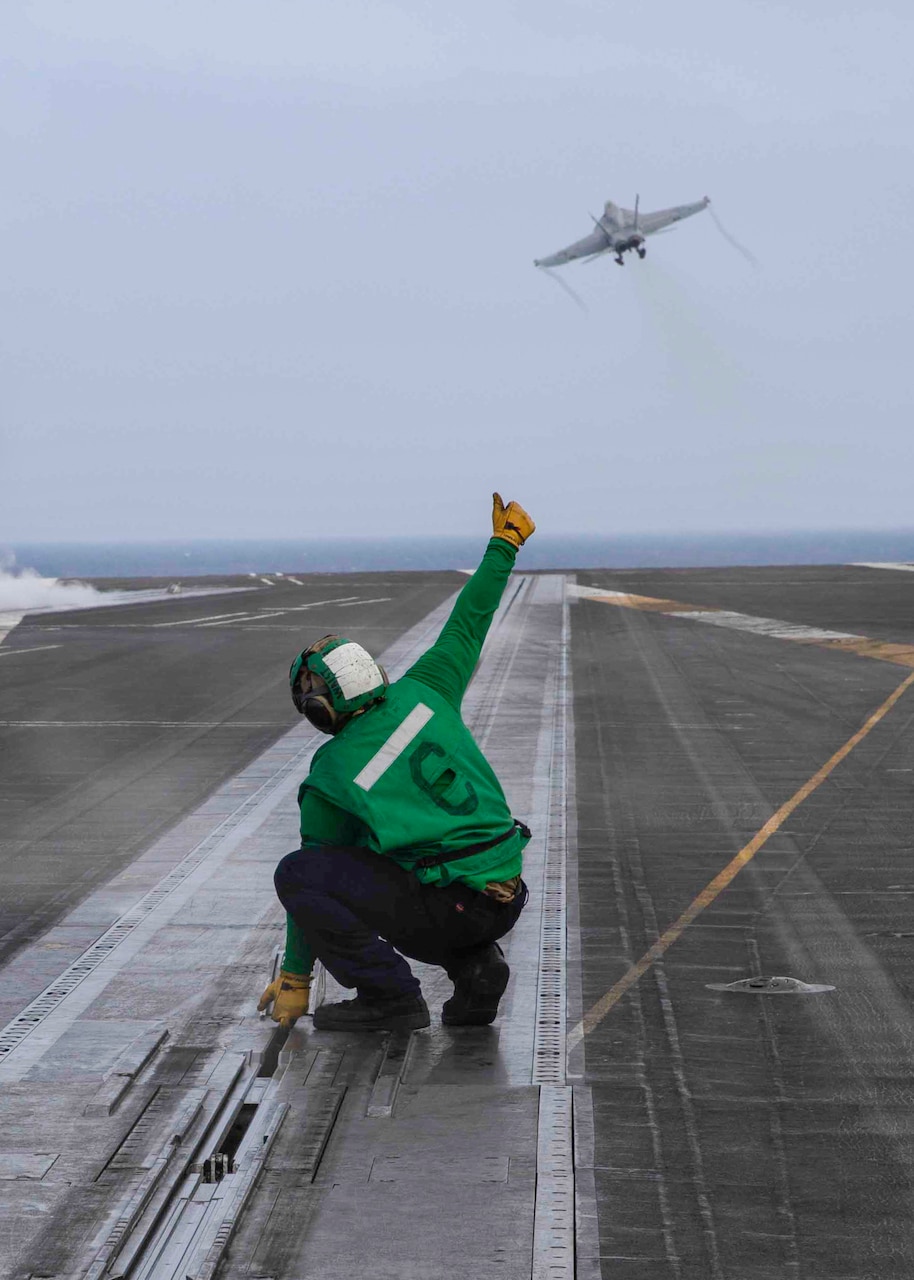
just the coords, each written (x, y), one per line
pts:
(395, 745)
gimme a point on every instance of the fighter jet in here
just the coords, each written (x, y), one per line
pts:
(620, 230)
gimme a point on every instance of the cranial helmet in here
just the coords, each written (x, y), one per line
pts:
(354, 681)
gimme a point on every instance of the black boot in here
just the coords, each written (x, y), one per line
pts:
(479, 984)
(401, 1013)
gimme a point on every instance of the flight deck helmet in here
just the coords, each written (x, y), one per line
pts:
(350, 678)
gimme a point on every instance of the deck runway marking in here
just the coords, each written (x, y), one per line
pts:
(10, 653)
(189, 622)
(598, 1012)
(845, 641)
(272, 612)
(139, 724)
(312, 604)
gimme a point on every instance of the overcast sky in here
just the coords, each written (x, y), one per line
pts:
(268, 266)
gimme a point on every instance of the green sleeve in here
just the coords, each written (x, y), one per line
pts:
(298, 957)
(448, 666)
(321, 823)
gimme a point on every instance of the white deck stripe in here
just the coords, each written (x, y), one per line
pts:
(210, 617)
(395, 745)
(9, 653)
(133, 724)
(763, 626)
(772, 627)
(272, 612)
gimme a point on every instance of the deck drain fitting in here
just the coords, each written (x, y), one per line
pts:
(775, 986)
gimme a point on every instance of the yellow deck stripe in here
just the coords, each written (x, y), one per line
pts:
(652, 604)
(598, 1012)
(901, 654)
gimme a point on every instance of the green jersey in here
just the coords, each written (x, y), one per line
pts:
(406, 778)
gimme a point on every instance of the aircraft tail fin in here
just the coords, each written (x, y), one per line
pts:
(612, 214)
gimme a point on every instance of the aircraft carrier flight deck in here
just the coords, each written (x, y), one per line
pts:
(703, 1067)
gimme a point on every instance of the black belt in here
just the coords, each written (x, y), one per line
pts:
(438, 860)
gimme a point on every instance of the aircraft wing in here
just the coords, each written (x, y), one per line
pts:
(596, 242)
(651, 222)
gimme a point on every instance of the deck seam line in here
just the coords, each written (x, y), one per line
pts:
(554, 1205)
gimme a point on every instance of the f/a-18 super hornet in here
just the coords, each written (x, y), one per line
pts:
(620, 230)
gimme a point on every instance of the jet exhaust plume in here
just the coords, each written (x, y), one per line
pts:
(563, 284)
(694, 346)
(732, 239)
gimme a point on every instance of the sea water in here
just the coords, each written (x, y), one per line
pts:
(351, 555)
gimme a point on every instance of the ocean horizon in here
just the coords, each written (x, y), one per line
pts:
(206, 557)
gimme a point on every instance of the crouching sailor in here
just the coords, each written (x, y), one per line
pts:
(408, 845)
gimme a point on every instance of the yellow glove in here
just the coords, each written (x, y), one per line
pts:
(510, 522)
(288, 994)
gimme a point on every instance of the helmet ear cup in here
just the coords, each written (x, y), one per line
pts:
(319, 712)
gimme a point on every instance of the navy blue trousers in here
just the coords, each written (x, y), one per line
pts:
(358, 910)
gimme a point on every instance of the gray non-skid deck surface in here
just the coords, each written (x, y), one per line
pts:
(716, 1135)
(461, 1140)
(739, 1136)
(125, 719)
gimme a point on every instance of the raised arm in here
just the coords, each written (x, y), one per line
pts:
(448, 666)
